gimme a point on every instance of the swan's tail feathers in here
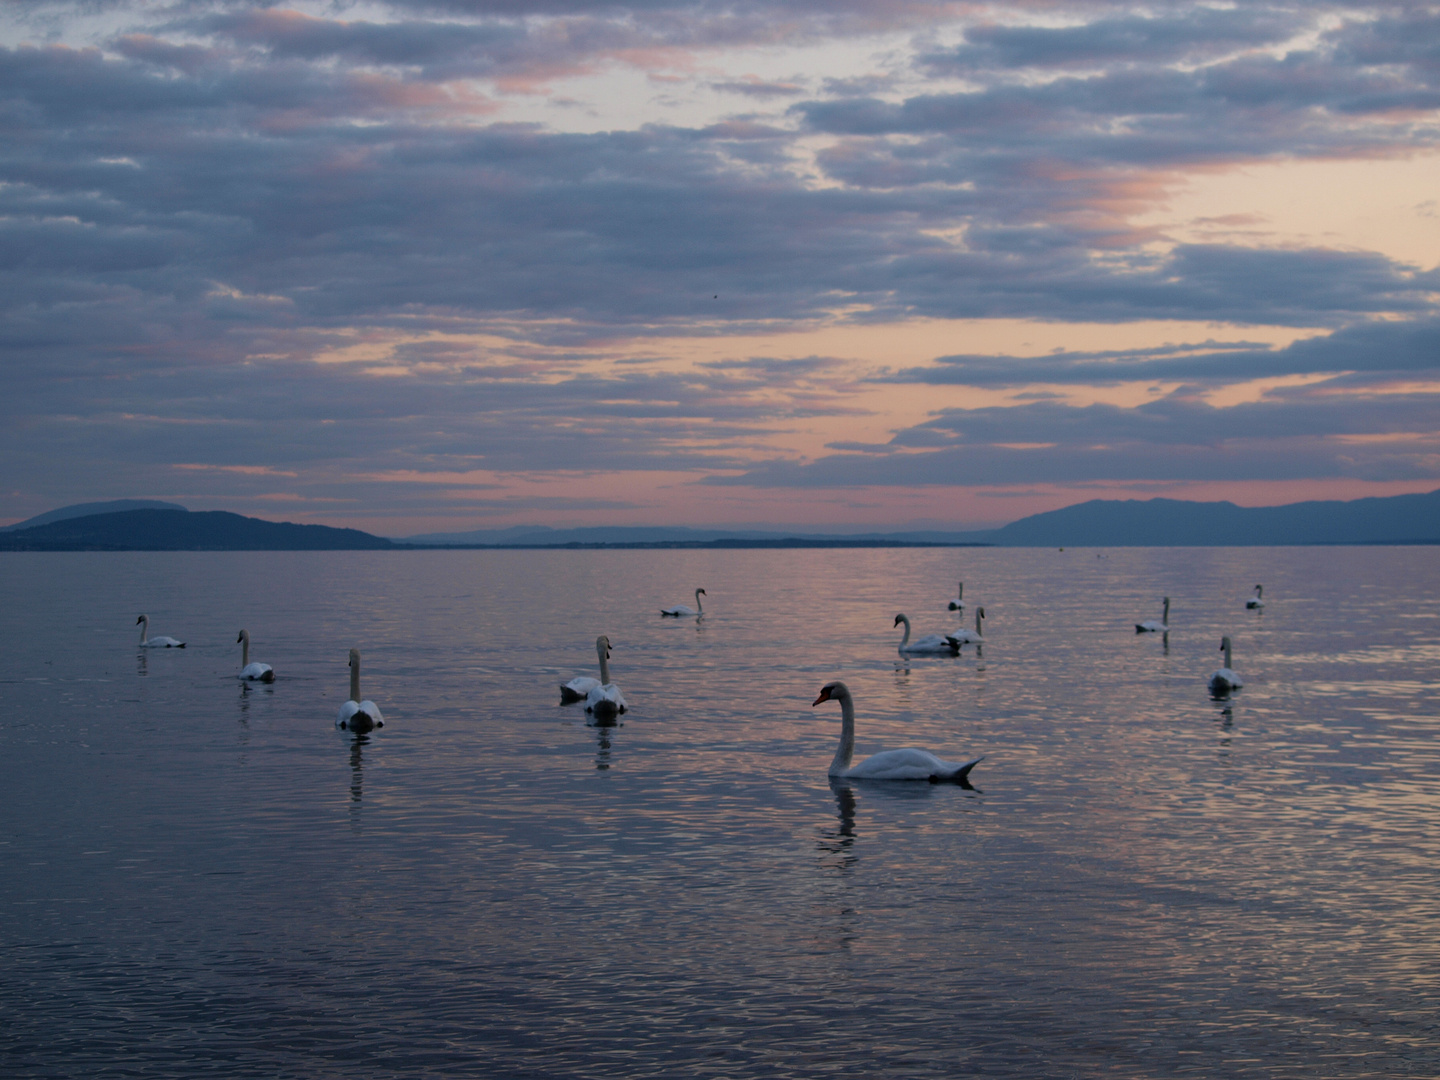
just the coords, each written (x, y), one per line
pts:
(268, 677)
(954, 644)
(605, 711)
(181, 645)
(568, 696)
(961, 775)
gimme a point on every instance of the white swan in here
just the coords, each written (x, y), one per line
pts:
(256, 671)
(972, 637)
(1257, 601)
(604, 701)
(907, 764)
(1225, 680)
(147, 642)
(684, 609)
(576, 689)
(1150, 626)
(357, 715)
(930, 644)
(958, 604)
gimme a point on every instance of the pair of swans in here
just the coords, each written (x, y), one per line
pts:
(907, 764)
(603, 699)
(940, 644)
(1257, 602)
(357, 715)
(680, 610)
(256, 672)
(1152, 626)
(162, 642)
(1225, 680)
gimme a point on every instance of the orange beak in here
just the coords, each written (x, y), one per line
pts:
(824, 696)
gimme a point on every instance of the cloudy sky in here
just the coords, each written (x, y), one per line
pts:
(419, 265)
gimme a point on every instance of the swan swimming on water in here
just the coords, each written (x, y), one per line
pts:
(1152, 626)
(357, 715)
(162, 642)
(1225, 680)
(684, 609)
(576, 689)
(1257, 601)
(256, 671)
(972, 637)
(930, 644)
(958, 604)
(604, 701)
(907, 764)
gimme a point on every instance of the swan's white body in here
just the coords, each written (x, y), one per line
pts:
(684, 609)
(929, 645)
(972, 637)
(357, 715)
(1257, 601)
(604, 701)
(148, 642)
(256, 672)
(1225, 680)
(578, 688)
(907, 764)
(1151, 626)
(958, 604)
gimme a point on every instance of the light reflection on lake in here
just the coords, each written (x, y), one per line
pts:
(202, 877)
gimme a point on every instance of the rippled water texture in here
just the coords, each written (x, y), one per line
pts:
(204, 879)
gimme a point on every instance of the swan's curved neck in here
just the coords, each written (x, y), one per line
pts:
(846, 750)
(1227, 653)
(144, 629)
(1165, 615)
(979, 618)
(355, 678)
(699, 608)
(604, 664)
(962, 591)
(903, 641)
(244, 648)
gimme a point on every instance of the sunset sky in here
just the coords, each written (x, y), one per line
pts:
(423, 265)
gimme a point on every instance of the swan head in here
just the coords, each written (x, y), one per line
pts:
(142, 619)
(244, 636)
(1224, 643)
(835, 691)
(980, 613)
(900, 619)
(354, 661)
(701, 592)
(602, 645)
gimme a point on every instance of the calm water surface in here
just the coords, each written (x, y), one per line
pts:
(199, 878)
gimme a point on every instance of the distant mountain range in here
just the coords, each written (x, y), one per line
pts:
(1398, 519)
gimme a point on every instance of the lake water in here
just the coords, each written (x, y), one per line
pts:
(199, 878)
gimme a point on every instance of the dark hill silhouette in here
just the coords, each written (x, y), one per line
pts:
(184, 530)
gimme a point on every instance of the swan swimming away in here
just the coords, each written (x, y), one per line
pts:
(930, 644)
(1257, 601)
(972, 637)
(577, 688)
(684, 609)
(1225, 680)
(357, 715)
(148, 642)
(958, 604)
(1151, 626)
(907, 764)
(604, 701)
(256, 672)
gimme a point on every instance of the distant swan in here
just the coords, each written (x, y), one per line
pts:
(576, 689)
(1257, 601)
(1225, 680)
(604, 701)
(1151, 626)
(357, 715)
(930, 644)
(257, 670)
(683, 609)
(147, 642)
(907, 764)
(958, 604)
(972, 637)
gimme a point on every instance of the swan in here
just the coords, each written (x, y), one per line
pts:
(257, 670)
(1151, 625)
(1257, 601)
(972, 637)
(958, 604)
(357, 715)
(147, 642)
(937, 644)
(907, 764)
(1225, 680)
(683, 609)
(604, 701)
(576, 689)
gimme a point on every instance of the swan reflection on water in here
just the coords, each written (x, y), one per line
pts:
(357, 765)
(602, 745)
(838, 843)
